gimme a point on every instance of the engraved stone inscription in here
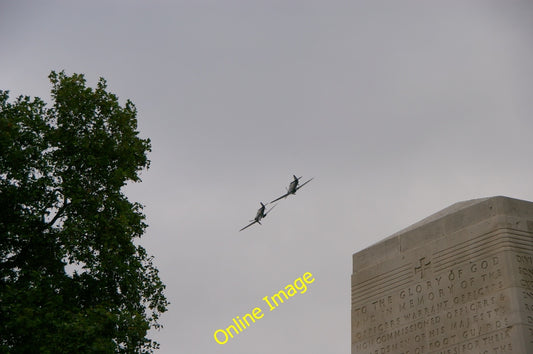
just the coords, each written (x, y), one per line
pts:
(445, 310)
(469, 291)
(524, 264)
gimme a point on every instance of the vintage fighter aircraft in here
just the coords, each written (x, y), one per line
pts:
(293, 187)
(260, 215)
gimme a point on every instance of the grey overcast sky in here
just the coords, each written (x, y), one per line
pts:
(397, 108)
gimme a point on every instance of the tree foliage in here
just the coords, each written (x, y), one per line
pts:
(72, 280)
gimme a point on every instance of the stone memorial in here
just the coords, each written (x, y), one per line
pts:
(459, 281)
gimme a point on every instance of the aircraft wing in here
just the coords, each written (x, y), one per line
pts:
(250, 224)
(303, 184)
(283, 196)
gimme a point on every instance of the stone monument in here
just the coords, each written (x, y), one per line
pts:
(459, 281)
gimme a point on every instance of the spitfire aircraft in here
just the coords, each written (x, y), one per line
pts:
(260, 215)
(293, 188)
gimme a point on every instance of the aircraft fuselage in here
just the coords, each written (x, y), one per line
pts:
(293, 186)
(260, 213)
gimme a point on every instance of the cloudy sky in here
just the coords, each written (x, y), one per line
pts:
(397, 109)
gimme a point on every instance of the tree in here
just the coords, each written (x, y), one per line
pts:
(72, 279)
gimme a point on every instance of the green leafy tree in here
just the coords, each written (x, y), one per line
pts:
(72, 279)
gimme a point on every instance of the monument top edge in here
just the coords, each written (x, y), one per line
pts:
(452, 209)
(450, 219)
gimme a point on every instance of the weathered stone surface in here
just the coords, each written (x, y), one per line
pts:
(459, 281)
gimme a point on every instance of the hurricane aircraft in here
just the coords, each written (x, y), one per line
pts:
(260, 215)
(293, 187)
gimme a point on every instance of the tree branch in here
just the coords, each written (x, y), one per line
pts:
(57, 216)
